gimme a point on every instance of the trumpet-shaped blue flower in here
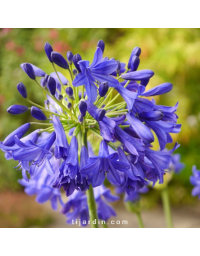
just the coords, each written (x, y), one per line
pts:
(104, 164)
(41, 185)
(98, 71)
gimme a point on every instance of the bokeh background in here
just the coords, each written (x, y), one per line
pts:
(174, 56)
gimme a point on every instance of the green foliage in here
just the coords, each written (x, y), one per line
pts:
(173, 54)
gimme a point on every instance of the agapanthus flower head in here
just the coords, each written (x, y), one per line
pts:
(105, 103)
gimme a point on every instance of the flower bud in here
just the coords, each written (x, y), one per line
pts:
(76, 59)
(80, 118)
(29, 70)
(136, 51)
(17, 109)
(134, 63)
(101, 45)
(22, 90)
(103, 89)
(59, 60)
(100, 113)
(74, 72)
(60, 97)
(9, 140)
(44, 80)
(69, 105)
(118, 66)
(70, 57)
(138, 75)
(83, 108)
(144, 82)
(38, 114)
(36, 71)
(47, 102)
(69, 92)
(51, 83)
(48, 49)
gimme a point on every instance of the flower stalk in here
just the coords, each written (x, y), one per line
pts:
(166, 207)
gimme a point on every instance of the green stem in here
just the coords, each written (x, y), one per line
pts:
(90, 197)
(105, 225)
(166, 206)
(92, 207)
(140, 221)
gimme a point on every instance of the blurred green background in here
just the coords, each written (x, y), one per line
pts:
(173, 54)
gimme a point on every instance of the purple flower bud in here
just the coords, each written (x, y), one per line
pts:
(134, 63)
(38, 114)
(101, 45)
(22, 90)
(83, 108)
(103, 89)
(59, 60)
(44, 80)
(138, 75)
(9, 140)
(60, 97)
(80, 118)
(118, 66)
(37, 71)
(74, 72)
(144, 82)
(17, 109)
(29, 70)
(69, 92)
(69, 105)
(51, 83)
(70, 57)
(47, 102)
(48, 49)
(76, 59)
(136, 51)
(100, 113)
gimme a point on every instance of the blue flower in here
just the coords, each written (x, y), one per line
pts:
(19, 132)
(135, 196)
(36, 154)
(103, 196)
(176, 164)
(195, 181)
(160, 160)
(134, 178)
(61, 145)
(98, 71)
(41, 185)
(69, 169)
(76, 208)
(133, 145)
(104, 164)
